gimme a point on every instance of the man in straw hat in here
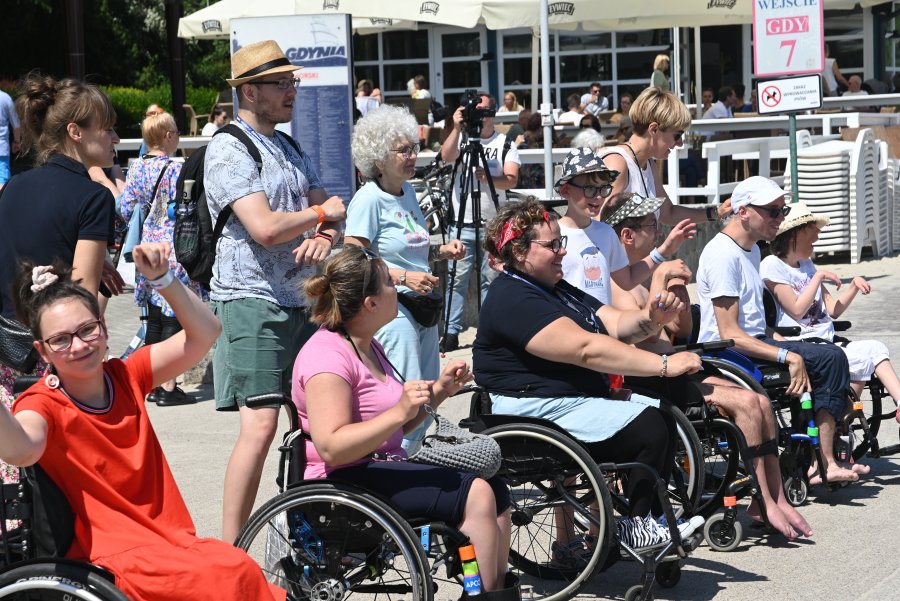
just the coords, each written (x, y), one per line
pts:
(283, 224)
(595, 254)
(731, 306)
(804, 302)
(636, 225)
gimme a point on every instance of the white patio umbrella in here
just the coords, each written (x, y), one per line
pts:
(214, 21)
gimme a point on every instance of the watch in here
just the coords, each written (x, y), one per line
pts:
(403, 278)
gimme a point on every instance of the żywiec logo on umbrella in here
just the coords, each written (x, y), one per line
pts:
(561, 8)
(335, 4)
(378, 22)
(729, 4)
(211, 25)
(429, 7)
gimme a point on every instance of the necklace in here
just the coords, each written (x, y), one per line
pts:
(640, 170)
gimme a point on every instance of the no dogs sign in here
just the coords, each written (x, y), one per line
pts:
(789, 94)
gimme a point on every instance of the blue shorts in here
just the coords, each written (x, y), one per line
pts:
(4, 169)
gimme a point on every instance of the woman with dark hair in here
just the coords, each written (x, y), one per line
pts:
(218, 118)
(550, 357)
(56, 212)
(355, 404)
(86, 425)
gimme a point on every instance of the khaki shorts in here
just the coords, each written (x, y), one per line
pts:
(255, 352)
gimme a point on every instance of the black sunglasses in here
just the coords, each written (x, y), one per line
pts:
(774, 212)
(281, 84)
(554, 245)
(592, 191)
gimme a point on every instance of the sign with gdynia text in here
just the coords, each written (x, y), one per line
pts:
(788, 37)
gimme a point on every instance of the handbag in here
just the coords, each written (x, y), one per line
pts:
(425, 309)
(454, 447)
(136, 224)
(17, 346)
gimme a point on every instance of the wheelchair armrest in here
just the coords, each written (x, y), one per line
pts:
(841, 326)
(23, 383)
(257, 401)
(702, 347)
(787, 330)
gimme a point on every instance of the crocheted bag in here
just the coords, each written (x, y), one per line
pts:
(451, 446)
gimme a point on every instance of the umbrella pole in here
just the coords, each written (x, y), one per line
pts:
(546, 102)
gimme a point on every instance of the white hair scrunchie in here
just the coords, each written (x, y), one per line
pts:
(41, 277)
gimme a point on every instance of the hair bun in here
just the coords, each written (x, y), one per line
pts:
(317, 285)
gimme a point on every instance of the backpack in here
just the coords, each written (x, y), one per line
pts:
(194, 235)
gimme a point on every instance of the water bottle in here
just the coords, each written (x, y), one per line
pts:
(471, 576)
(806, 406)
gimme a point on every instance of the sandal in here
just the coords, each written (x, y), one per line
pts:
(573, 555)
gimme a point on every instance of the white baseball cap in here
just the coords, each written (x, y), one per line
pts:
(757, 191)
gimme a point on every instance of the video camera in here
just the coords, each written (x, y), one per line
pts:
(473, 117)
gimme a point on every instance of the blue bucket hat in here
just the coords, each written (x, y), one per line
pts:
(583, 160)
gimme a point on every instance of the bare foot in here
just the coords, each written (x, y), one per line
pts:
(793, 516)
(860, 468)
(835, 473)
(774, 516)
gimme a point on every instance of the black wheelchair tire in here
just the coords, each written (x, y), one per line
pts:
(688, 459)
(49, 580)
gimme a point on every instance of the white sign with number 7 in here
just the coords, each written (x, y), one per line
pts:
(788, 37)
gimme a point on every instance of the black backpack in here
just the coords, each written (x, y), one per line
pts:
(195, 237)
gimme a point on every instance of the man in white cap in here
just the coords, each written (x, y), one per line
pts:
(731, 306)
(282, 225)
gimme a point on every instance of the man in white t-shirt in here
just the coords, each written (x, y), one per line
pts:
(731, 306)
(503, 169)
(594, 102)
(594, 253)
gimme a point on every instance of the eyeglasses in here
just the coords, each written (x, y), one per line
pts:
(88, 333)
(407, 152)
(554, 245)
(677, 136)
(592, 191)
(654, 225)
(281, 84)
(774, 212)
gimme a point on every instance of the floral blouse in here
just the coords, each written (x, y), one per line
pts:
(159, 226)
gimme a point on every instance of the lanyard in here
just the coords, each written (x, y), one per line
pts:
(641, 171)
(567, 299)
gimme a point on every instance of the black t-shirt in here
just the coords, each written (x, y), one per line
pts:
(44, 212)
(513, 312)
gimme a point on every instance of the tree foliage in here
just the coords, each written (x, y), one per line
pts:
(125, 43)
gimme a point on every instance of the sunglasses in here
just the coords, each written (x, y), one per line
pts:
(774, 212)
(408, 152)
(88, 333)
(591, 191)
(554, 245)
(367, 276)
(281, 84)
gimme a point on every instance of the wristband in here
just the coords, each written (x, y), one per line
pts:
(328, 237)
(782, 355)
(163, 281)
(657, 256)
(712, 213)
(321, 213)
(665, 366)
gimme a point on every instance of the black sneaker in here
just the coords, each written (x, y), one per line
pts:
(167, 398)
(449, 343)
(151, 398)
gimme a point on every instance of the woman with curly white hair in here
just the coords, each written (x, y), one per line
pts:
(384, 215)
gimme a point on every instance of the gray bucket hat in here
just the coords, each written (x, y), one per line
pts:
(582, 160)
(633, 205)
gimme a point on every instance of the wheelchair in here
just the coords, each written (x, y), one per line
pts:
(556, 486)
(324, 540)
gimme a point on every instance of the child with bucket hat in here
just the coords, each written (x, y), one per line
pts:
(803, 300)
(595, 254)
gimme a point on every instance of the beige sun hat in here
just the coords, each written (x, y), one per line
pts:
(799, 215)
(256, 60)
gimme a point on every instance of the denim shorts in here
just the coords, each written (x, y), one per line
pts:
(256, 350)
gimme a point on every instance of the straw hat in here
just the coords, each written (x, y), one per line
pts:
(799, 215)
(257, 60)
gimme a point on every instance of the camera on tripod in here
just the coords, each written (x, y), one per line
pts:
(473, 117)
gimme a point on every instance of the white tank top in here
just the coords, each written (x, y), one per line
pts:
(640, 181)
(828, 74)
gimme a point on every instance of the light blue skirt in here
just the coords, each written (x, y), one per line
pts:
(588, 419)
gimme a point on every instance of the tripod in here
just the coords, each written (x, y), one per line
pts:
(471, 156)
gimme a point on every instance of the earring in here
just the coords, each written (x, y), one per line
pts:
(52, 381)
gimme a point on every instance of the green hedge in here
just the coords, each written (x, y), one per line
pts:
(131, 103)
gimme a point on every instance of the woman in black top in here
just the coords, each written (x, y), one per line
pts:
(56, 211)
(543, 349)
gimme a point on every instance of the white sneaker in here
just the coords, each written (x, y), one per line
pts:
(685, 527)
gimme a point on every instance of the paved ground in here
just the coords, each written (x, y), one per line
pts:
(851, 556)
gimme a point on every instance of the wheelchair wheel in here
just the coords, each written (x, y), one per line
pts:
(689, 464)
(555, 487)
(721, 462)
(721, 536)
(324, 541)
(59, 580)
(796, 491)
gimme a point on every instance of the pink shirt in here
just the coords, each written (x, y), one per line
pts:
(329, 352)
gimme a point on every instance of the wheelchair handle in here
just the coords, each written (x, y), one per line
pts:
(702, 347)
(787, 330)
(256, 401)
(841, 326)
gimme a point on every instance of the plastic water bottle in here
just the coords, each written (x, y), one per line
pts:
(471, 576)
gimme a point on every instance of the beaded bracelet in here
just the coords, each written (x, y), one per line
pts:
(163, 281)
(665, 366)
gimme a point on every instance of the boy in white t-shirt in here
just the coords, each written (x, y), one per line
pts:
(594, 252)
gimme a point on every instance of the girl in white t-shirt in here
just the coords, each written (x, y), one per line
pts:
(803, 300)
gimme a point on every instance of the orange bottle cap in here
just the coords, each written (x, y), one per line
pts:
(467, 553)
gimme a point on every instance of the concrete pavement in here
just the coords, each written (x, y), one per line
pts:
(851, 555)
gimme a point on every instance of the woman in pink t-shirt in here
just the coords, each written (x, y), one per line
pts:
(353, 405)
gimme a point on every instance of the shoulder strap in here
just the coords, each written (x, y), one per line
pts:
(283, 136)
(162, 172)
(506, 145)
(253, 151)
